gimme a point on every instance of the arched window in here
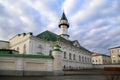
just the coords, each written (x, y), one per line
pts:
(70, 56)
(83, 59)
(96, 60)
(88, 60)
(24, 49)
(79, 58)
(70, 67)
(40, 48)
(73, 56)
(64, 67)
(99, 60)
(50, 53)
(65, 55)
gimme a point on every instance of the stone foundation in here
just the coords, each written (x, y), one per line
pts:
(25, 73)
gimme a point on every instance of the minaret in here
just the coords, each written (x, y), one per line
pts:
(64, 25)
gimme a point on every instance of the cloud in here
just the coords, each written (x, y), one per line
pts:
(16, 15)
(47, 15)
(68, 7)
(18, 18)
(87, 12)
(95, 23)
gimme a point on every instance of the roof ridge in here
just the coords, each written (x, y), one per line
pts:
(53, 33)
(115, 47)
(102, 54)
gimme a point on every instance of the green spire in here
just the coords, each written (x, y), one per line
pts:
(63, 17)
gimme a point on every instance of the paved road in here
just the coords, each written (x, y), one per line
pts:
(72, 77)
(83, 75)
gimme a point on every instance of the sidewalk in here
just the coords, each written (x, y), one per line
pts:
(85, 72)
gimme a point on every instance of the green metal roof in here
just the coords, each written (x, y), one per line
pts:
(63, 17)
(57, 46)
(27, 56)
(85, 49)
(49, 36)
(6, 51)
(9, 53)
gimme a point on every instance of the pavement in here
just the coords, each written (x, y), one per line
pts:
(69, 75)
(72, 77)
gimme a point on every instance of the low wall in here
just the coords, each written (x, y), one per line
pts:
(27, 64)
(25, 73)
(30, 65)
(101, 66)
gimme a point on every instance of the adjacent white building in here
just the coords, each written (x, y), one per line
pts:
(98, 58)
(4, 44)
(74, 56)
(115, 54)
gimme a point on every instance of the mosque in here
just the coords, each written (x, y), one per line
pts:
(73, 55)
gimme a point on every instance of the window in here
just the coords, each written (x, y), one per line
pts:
(118, 55)
(111, 51)
(90, 60)
(70, 67)
(114, 61)
(118, 61)
(103, 60)
(65, 55)
(73, 56)
(93, 61)
(64, 67)
(96, 60)
(69, 55)
(83, 59)
(40, 47)
(99, 60)
(50, 52)
(79, 58)
(87, 60)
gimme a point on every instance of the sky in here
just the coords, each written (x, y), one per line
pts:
(94, 23)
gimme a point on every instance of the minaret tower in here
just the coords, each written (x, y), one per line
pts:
(64, 25)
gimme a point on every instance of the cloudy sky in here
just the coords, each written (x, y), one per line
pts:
(95, 23)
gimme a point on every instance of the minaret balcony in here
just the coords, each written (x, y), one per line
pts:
(63, 22)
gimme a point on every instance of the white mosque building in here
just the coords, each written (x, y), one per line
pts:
(74, 56)
(45, 54)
